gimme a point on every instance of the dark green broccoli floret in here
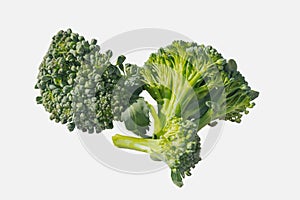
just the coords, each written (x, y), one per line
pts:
(76, 83)
(57, 73)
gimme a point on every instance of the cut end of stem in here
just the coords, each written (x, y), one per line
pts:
(133, 143)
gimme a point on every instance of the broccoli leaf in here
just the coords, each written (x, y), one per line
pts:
(136, 117)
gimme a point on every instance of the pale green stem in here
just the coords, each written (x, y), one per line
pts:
(157, 124)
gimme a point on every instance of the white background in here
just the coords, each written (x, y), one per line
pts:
(258, 159)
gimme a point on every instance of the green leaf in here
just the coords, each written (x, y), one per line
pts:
(136, 117)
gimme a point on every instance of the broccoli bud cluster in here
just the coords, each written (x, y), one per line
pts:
(76, 81)
(93, 92)
(180, 148)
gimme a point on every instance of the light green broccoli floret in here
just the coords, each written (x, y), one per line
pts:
(178, 145)
(193, 86)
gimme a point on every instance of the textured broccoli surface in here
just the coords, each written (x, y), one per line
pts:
(76, 83)
(178, 147)
(92, 93)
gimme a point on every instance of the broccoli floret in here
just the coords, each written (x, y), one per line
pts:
(193, 86)
(76, 83)
(178, 147)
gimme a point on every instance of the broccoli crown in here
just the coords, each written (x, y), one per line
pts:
(75, 81)
(57, 73)
(195, 82)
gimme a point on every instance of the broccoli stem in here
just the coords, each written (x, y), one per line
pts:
(205, 119)
(133, 143)
(157, 124)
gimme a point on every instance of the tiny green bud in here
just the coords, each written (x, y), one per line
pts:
(93, 41)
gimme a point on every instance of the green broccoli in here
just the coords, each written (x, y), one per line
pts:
(192, 84)
(178, 146)
(76, 83)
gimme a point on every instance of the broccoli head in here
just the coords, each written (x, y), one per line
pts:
(76, 81)
(193, 86)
